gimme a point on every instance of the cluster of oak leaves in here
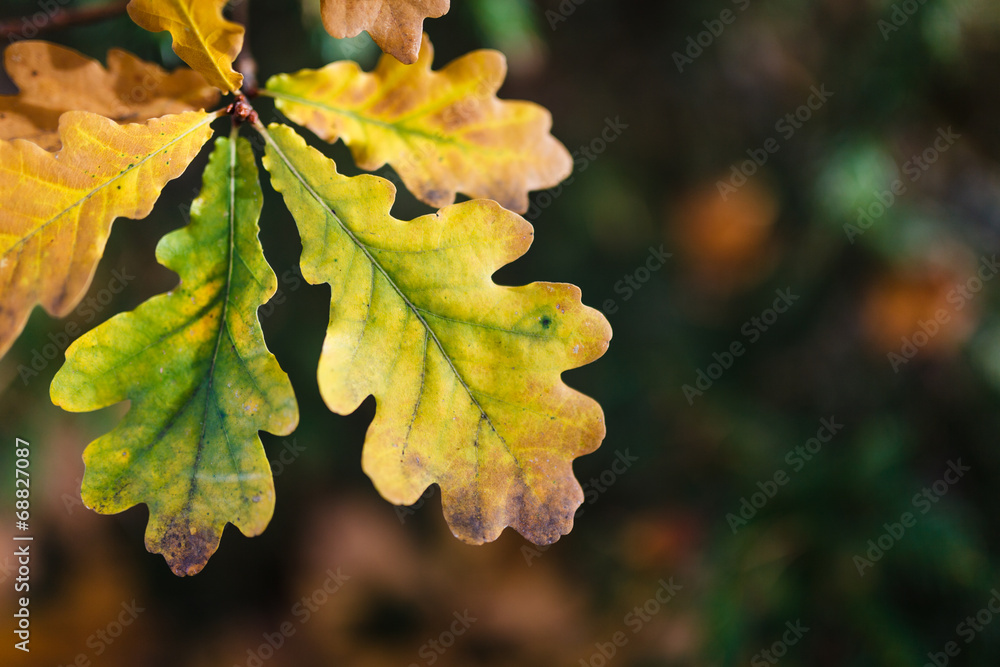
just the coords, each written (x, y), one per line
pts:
(466, 373)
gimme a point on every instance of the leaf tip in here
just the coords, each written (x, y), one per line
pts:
(187, 549)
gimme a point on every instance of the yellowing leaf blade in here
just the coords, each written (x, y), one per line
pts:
(202, 37)
(53, 80)
(199, 375)
(466, 373)
(58, 208)
(395, 25)
(443, 132)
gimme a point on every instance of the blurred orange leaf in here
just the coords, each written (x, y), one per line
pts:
(202, 37)
(395, 25)
(53, 80)
(922, 302)
(726, 243)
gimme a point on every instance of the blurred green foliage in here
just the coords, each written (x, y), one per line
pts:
(667, 515)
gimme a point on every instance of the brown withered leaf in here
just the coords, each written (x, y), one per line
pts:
(395, 25)
(53, 80)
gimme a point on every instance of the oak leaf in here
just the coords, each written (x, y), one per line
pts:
(53, 80)
(465, 372)
(442, 131)
(395, 25)
(201, 380)
(58, 207)
(202, 37)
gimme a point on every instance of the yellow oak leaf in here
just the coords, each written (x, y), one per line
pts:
(202, 37)
(53, 80)
(58, 207)
(395, 25)
(443, 132)
(466, 373)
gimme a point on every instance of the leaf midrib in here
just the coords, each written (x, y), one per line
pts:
(193, 25)
(227, 290)
(207, 383)
(361, 118)
(398, 128)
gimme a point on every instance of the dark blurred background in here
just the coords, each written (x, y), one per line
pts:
(805, 391)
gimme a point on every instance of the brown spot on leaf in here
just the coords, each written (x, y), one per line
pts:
(185, 548)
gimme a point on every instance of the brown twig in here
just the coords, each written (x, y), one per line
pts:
(245, 62)
(30, 25)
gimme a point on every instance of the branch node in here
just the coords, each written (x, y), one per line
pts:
(242, 111)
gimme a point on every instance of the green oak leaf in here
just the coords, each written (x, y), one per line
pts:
(201, 380)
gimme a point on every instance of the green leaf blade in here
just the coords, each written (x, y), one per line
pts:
(200, 377)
